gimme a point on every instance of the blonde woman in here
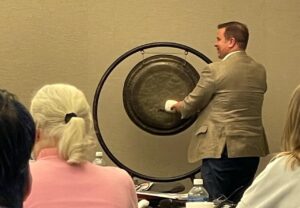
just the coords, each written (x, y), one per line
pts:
(62, 175)
(278, 185)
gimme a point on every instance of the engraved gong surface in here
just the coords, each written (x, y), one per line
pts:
(147, 87)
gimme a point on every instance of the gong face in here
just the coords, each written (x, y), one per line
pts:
(147, 87)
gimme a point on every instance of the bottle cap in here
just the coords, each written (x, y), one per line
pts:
(198, 181)
(99, 154)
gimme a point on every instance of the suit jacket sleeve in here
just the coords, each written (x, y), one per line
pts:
(200, 95)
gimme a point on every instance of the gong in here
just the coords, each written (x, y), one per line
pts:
(147, 87)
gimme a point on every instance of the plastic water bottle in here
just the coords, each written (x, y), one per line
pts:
(198, 192)
(99, 159)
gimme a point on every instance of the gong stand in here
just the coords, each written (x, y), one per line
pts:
(148, 114)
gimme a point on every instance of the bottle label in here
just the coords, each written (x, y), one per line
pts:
(197, 199)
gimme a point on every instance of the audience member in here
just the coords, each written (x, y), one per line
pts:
(17, 133)
(278, 184)
(62, 175)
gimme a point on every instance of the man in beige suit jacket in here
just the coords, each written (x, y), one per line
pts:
(230, 137)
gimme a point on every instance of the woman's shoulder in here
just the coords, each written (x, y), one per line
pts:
(277, 161)
(279, 164)
(109, 170)
(280, 158)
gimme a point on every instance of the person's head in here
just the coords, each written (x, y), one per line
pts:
(17, 133)
(63, 121)
(291, 133)
(231, 36)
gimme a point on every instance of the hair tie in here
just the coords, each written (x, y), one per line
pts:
(68, 116)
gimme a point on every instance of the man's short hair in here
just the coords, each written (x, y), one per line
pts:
(237, 30)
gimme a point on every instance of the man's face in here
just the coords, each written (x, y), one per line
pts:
(222, 44)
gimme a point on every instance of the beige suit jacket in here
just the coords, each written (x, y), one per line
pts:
(229, 98)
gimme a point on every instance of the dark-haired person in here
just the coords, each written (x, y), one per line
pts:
(229, 96)
(17, 133)
(62, 175)
(278, 185)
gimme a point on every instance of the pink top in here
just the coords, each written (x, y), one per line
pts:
(57, 184)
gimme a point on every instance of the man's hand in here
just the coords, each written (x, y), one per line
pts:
(170, 106)
(176, 107)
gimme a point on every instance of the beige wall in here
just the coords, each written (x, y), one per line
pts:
(75, 41)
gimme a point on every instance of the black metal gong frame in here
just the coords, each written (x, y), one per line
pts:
(95, 109)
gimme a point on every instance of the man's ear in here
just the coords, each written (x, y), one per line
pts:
(232, 42)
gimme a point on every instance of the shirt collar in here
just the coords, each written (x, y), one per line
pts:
(231, 53)
(48, 152)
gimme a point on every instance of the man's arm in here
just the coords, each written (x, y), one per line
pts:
(199, 97)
